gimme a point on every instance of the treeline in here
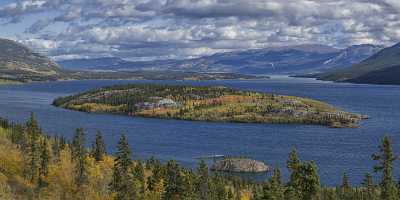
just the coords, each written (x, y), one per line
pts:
(131, 94)
(36, 166)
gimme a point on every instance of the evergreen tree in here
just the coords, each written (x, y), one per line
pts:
(121, 179)
(369, 186)
(138, 180)
(156, 176)
(174, 181)
(18, 136)
(203, 181)
(291, 193)
(385, 158)
(78, 143)
(44, 164)
(33, 132)
(79, 156)
(273, 190)
(151, 162)
(345, 188)
(293, 186)
(99, 147)
(55, 147)
(309, 181)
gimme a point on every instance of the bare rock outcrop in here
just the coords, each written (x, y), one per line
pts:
(239, 165)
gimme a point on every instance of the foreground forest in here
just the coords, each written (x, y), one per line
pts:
(207, 104)
(36, 166)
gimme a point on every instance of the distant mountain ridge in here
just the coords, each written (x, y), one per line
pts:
(18, 62)
(84, 63)
(273, 60)
(381, 68)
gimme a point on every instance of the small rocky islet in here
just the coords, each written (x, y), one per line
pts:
(239, 165)
(207, 103)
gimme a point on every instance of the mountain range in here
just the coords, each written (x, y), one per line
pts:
(381, 68)
(359, 64)
(18, 63)
(274, 60)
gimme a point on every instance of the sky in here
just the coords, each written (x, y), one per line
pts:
(178, 29)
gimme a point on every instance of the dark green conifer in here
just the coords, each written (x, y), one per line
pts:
(99, 147)
(203, 181)
(157, 175)
(44, 164)
(385, 158)
(33, 133)
(122, 179)
(345, 188)
(309, 181)
(139, 180)
(274, 190)
(79, 154)
(174, 181)
(370, 188)
(293, 186)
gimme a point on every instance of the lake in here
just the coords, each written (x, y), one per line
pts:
(335, 150)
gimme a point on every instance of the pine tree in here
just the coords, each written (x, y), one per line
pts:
(273, 190)
(78, 142)
(121, 179)
(386, 157)
(33, 133)
(309, 181)
(139, 180)
(55, 147)
(99, 147)
(345, 188)
(369, 186)
(174, 181)
(203, 181)
(44, 164)
(293, 186)
(155, 183)
(79, 154)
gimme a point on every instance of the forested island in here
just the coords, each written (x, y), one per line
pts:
(216, 104)
(37, 166)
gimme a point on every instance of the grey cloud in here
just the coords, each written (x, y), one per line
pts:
(38, 26)
(187, 28)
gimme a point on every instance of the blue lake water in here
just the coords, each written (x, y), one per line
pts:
(335, 150)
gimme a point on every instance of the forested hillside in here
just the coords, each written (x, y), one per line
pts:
(207, 104)
(39, 167)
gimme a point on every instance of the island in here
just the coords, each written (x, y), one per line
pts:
(239, 165)
(207, 103)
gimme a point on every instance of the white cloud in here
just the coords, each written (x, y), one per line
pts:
(186, 28)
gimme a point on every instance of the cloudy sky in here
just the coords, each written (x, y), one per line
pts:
(175, 29)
